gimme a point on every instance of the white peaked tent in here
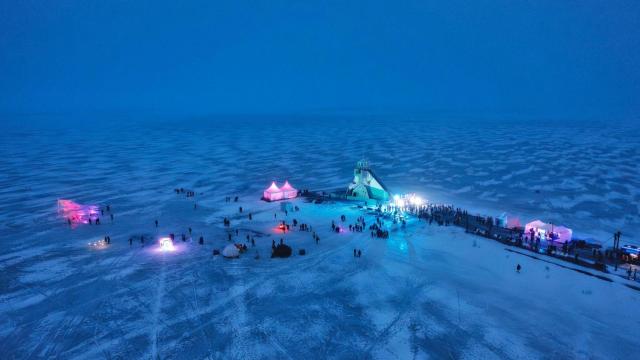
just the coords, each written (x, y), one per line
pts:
(288, 191)
(231, 251)
(273, 193)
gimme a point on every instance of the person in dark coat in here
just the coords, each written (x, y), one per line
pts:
(518, 268)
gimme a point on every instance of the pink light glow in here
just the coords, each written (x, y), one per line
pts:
(273, 187)
(288, 191)
(279, 229)
(77, 213)
(273, 193)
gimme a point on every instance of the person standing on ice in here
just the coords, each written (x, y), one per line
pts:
(359, 253)
(354, 253)
(518, 268)
(156, 223)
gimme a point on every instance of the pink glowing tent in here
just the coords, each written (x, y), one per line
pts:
(273, 193)
(288, 191)
(77, 213)
(548, 232)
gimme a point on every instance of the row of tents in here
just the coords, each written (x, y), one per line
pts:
(545, 231)
(275, 193)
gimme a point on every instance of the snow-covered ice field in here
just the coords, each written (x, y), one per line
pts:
(426, 292)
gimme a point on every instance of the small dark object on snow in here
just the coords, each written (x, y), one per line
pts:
(302, 252)
(216, 252)
(518, 268)
(281, 251)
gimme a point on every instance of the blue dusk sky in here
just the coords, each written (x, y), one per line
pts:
(527, 59)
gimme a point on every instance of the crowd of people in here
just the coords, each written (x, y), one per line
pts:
(442, 215)
(188, 193)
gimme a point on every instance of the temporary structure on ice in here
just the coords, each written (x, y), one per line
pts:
(548, 232)
(231, 251)
(274, 193)
(366, 185)
(288, 191)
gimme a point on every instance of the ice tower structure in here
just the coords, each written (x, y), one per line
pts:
(366, 185)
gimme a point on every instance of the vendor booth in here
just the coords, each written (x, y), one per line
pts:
(288, 191)
(272, 193)
(547, 232)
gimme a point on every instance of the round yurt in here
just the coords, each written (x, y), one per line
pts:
(231, 251)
